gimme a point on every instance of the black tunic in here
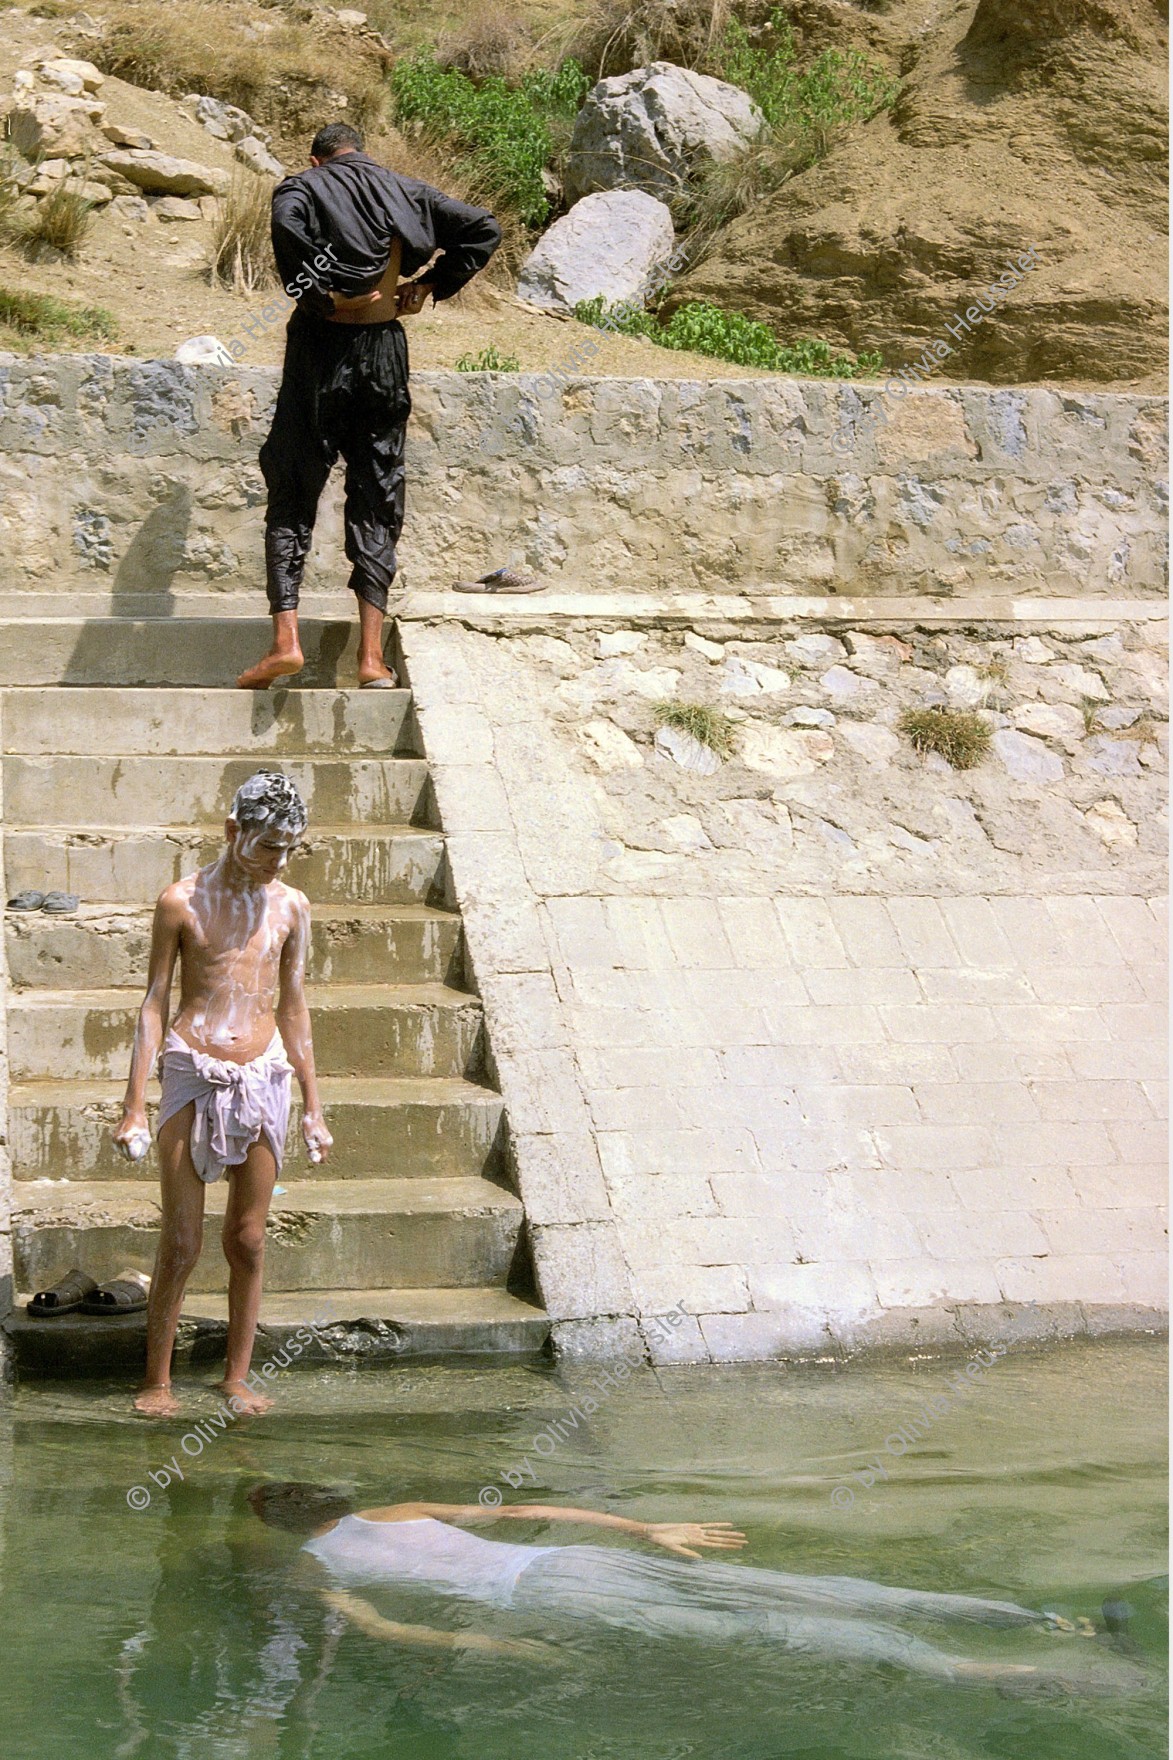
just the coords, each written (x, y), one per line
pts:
(354, 207)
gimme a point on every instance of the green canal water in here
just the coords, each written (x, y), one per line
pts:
(186, 1630)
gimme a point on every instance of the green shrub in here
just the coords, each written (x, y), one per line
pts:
(503, 136)
(839, 88)
(961, 736)
(488, 361)
(39, 318)
(731, 336)
(709, 727)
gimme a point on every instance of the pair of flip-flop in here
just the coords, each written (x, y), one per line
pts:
(501, 580)
(79, 1293)
(54, 904)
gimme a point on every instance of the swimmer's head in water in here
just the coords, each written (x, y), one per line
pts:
(296, 1507)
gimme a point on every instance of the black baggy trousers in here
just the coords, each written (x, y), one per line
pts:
(343, 391)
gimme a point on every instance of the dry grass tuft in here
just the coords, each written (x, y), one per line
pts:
(709, 727)
(486, 44)
(60, 220)
(617, 35)
(282, 69)
(242, 255)
(961, 736)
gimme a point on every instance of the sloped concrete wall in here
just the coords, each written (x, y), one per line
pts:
(836, 1046)
(141, 477)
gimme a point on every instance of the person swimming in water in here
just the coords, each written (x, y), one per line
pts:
(836, 1618)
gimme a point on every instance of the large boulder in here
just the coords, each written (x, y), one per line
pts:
(650, 128)
(610, 243)
(53, 125)
(161, 175)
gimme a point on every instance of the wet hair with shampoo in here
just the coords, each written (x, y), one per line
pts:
(296, 1507)
(269, 798)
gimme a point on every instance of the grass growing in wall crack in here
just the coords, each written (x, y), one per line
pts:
(731, 336)
(709, 727)
(960, 736)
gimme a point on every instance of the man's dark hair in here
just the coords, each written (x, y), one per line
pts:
(297, 1508)
(333, 138)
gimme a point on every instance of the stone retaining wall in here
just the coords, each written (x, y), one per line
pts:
(141, 477)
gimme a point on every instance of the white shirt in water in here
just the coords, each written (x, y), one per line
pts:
(425, 1551)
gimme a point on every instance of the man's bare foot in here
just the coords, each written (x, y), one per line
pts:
(251, 1402)
(275, 665)
(156, 1402)
(372, 669)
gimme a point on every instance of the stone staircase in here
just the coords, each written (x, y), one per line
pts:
(409, 1240)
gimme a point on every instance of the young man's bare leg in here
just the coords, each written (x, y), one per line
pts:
(371, 664)
(283, 659)
(250, 1192)
(181, 1236)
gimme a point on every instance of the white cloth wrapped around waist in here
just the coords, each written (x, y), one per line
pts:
(235, 1103)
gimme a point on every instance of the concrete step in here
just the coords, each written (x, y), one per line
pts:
(344, 1234)
(334, 864)
(359, 1030)
(413, 1129)
(353, 1327)
(136, 640)
(257, 725)
(105, 946)
(118, 791)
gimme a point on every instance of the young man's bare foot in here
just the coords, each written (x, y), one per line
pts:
(278, 664)
(250, 1401)
(375, 671)
(156, 1402)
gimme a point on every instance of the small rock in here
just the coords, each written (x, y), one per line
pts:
(815, 650)
(160, 174)
(200, 350)
(841, 682)
(1104, 648)
(176, 208)
(349, 18)
(610, 747)
(1026, 759)
(62, 80)
(700, 645)
(878, 745)
(686, 751)
(91, 77)
(686, 832)
(1117, 715)
(836, 837)
(1032, 651)
(553, 651)
(804, 716)
(1081, 680)
(22, 82)
(52, 122)
(761, 825)
(919, 846)
(119, 136)
(130, 208)
(964, 687)
(620, 641)
(1112, 825)
(1112, 757)
(50, 172)
(210, 207)
(783, 751)
(876, 653)
(620, 675)
(1050, 720)
(747, 678)
(256, 155)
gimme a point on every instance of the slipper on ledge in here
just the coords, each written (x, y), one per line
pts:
(122, 1295)
(26, 901)
(381, 684)
(64, 1297)
(501, 580)
(60, 904)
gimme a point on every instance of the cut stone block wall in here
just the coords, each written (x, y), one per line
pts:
(140, 477)
(834, 1046)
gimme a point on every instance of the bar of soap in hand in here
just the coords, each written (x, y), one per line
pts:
(137, 1144)
(315, 1155)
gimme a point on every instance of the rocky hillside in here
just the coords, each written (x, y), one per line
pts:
(1016, 125)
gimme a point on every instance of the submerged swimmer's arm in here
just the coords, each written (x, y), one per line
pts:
(293, 1023)
(677, 1537)
(130, 1133)
(368, 1619)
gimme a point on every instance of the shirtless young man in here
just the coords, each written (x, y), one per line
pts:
(240, 935)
